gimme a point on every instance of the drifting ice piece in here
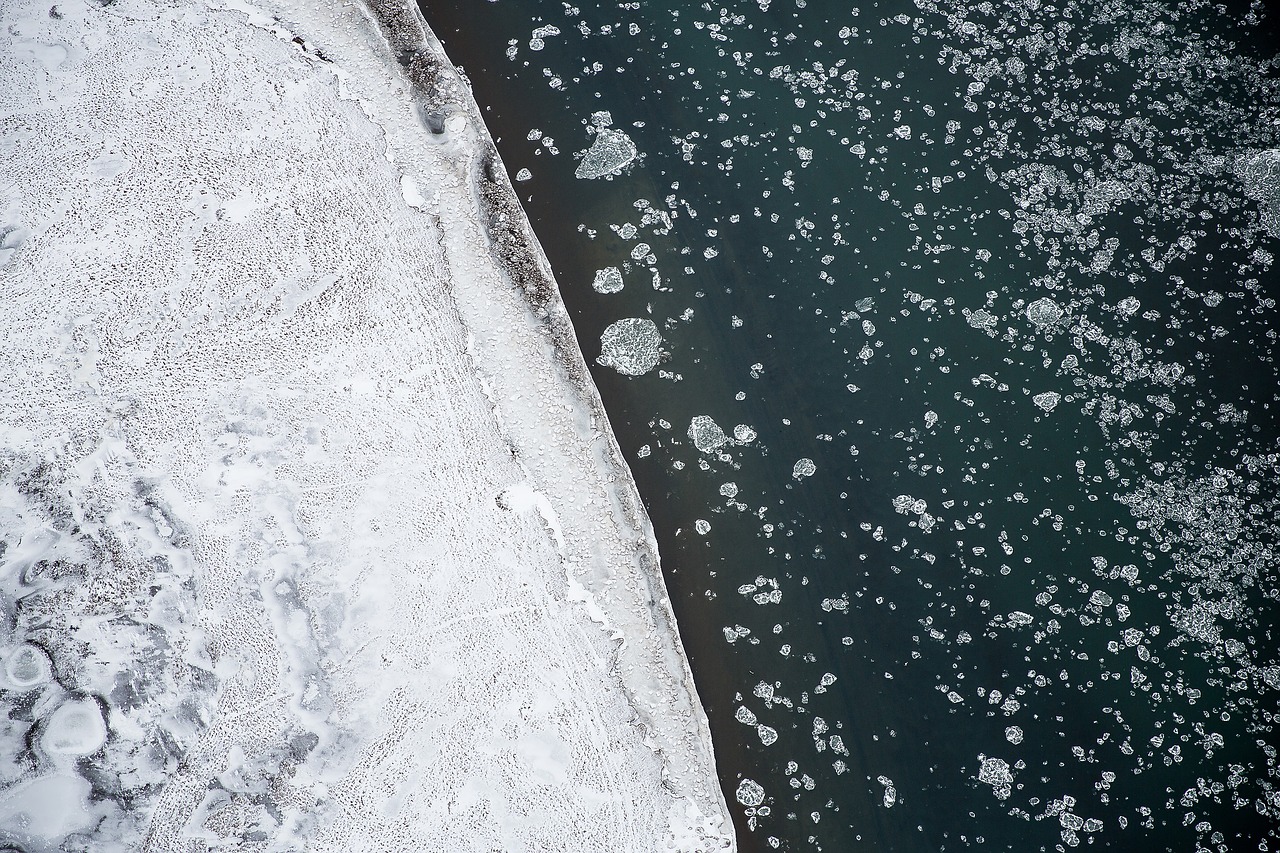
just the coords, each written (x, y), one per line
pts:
(706, 434)
(631, 346)
(611, 152)
(608, 280)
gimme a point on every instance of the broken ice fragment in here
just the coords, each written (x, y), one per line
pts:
(750, 793)
(609, 154)
(1048, 400)
(706, 434)
(1044, 312)
(608, 280)
(996, 773)
(803, 468)
(631, 346)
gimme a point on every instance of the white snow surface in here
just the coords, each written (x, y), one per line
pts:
(315, 536)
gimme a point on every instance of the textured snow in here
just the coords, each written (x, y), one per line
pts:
(315, 535)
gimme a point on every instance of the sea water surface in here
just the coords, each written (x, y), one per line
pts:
(962, 446)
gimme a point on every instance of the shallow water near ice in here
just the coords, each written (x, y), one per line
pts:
(992, 287)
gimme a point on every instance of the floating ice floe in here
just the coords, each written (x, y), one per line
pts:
(1048, 401)
(996, 773)
(1044, 312)
(750, 793)
(610, 153)
(706, 434)
(632, 346)
(803, 468)
(524, 175)
(608, 280)
(890, 792)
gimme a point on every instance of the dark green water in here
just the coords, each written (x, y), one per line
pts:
(1003, 273)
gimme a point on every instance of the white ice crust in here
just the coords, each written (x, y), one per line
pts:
(314, 534)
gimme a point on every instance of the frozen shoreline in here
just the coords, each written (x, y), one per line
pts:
(304, 483)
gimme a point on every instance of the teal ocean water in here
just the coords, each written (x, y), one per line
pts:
(962, 446)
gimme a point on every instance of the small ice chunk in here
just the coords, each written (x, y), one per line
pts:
(524, 175)
(744, 434)
(983, 319)
(74, 729)
(996, 772)
(632, 346)
(702, 526)
(729, 490)
(1013, 734)
(1129, 306)
(768, 735)
(1044, 312)
(640, 252)
(890, 792)
(1048, 401)
(750, 793)
(706, 434)
(27, 666)
(608, 280)
(745, 716)
(610, 153)
(803, 468)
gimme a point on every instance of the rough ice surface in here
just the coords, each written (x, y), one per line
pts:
(750, 793)
(631, 346)
(803, 468)
(1044, 312)
(610, 153)
(608, 280)
(706, 434)
(996, 773)
(1047, 400)
(313, 533)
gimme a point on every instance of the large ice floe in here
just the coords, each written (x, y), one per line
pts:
(314, 534)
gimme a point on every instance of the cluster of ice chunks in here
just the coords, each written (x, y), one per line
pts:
(632, 346)
(996, 773)
(1260, 174)
(1044, 312)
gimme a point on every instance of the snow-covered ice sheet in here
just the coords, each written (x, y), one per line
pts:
(314, 533)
